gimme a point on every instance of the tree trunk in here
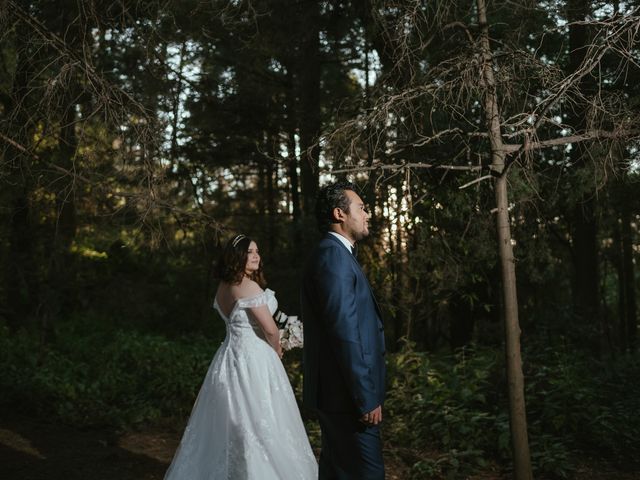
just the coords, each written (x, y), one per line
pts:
(515, 377)
(309, 107)
(57, 292)
(261, 188)
(629, 286)
(393, 265)
(271, 203)
(292, 159)
(618, 259)
(21, 285)
(400, 283)
(21, 278)
(175, 105)
(292, 163)
(517, 410)
(586, 295)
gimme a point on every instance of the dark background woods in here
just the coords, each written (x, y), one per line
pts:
(135, 137)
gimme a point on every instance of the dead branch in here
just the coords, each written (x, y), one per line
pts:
(406, 166)
(400, 119)
(589, 135)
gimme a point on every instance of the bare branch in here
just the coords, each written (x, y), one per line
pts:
(473, 182)
(589, 135)
(534, 88)
(17, 146)
(409, 165)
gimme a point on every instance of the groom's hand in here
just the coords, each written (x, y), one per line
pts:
(374, 417)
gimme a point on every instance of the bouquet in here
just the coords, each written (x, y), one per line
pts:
(291, 335)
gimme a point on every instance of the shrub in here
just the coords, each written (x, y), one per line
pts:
(104, 377)
(448, 403)
(446, 414)
(456, 404)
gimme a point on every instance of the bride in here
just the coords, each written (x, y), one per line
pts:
(245, 423)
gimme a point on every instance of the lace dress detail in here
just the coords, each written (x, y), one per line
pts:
(245, 423)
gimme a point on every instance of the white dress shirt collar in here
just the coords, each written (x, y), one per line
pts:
(347, 244)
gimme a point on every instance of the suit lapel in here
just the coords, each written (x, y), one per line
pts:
(361, 273)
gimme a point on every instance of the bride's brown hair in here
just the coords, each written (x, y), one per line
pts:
(233, 261)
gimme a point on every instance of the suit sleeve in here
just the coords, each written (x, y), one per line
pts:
(336, 282)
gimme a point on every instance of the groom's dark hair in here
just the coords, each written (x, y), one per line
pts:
(329, 197)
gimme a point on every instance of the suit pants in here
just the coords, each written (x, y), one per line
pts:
(350, 449)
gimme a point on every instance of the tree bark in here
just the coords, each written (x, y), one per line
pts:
(21, 279)
(58, 288)
(292, 159)
(309, 104)
(618, 259)
(56, 292)
(271, 170)
(629, 316)
(402, 319)
(515, 377)
(292, 163)
(586, 295)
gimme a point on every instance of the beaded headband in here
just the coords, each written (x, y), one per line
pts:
(237, 239)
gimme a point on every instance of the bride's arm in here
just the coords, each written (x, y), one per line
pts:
(268, 327)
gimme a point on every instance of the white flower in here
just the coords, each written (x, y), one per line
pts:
(291, 332)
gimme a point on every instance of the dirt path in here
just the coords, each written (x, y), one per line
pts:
(39, 451)
(36, 450)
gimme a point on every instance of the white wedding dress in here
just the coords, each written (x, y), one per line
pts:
(245, 424)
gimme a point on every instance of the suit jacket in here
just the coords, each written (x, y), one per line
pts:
(344, 349)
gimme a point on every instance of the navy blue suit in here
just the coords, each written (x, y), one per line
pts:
(344, 370)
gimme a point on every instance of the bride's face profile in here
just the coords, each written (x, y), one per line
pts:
(253, 259)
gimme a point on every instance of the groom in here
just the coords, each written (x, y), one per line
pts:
(344, 371)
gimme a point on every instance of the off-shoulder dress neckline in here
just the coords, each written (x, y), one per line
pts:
(237, 301)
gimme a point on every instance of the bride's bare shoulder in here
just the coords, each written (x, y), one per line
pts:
(246, 288)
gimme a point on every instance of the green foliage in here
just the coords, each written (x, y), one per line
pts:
(457, 404)
(449, 410)
(96, 375)
(102, 377)
(449, 403)
(586, 404)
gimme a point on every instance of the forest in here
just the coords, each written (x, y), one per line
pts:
(495, 143)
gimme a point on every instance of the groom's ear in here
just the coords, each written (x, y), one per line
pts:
(338, 215)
